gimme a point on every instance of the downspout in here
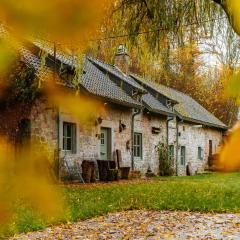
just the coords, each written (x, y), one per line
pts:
(58, 145)
(169, 119)
(132, 135)
(177, 145)
(58, 114)
(177, 142)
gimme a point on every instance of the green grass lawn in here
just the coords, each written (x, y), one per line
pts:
(206, 193)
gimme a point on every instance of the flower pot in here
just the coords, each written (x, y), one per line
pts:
(88, 171)
(112, 175)
(124, 172)
(103, 170)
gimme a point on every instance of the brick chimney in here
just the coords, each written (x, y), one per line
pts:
(122, 59)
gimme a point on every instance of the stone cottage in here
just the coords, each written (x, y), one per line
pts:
(138, 116)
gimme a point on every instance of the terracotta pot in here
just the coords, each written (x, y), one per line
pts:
(125, 172)
(88, 171)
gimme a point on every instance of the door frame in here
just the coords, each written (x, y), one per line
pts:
(109, 142)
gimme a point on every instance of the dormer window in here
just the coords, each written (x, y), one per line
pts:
(67, 74)
(134, 92)
(169, 103)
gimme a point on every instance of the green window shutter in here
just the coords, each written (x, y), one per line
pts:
(200, 153)
(64, 137)
(137, 145)
(183, 155)
(171, 151)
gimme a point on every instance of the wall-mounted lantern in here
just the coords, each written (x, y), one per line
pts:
(98, 136)
(98, 121)
(122, 126)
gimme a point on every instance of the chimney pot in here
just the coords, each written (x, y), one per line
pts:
(122, 59)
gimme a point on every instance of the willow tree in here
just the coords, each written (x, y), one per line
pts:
(158, 20)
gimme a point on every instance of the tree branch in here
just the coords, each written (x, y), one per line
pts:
(149, 13)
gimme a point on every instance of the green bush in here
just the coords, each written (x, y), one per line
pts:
(166, 162)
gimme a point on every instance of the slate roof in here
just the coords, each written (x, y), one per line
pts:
(97, 82)
(149, 101)
(72, 60)
(191, 109)
(117, 73)
(68, 59)
(186, 106)
(152, 104)
(93, 80)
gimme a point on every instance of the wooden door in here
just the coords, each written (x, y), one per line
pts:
(105, 144)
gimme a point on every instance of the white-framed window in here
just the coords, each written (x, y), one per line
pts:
(69, 137)
(137, 145)
(183, 155)
(200, 153)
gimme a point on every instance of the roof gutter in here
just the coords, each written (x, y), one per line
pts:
(191, 120)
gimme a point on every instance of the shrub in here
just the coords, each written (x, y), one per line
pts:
(166, 163)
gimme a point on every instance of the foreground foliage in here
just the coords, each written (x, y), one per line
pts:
(207, 193)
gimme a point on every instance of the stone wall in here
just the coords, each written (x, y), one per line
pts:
(193, 136)
(88, 141)
(143, 124)
(45, 126)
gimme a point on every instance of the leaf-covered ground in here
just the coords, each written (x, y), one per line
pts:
(219, 193)
(140, 224)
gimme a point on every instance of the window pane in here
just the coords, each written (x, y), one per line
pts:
(135, 136)
(183, 155)
(69, 130)
(137, 144)
(102, 139)
(171, 151)
(200, 153)
(69, 144)
(69, 137)
(135, 152)
(64, 143)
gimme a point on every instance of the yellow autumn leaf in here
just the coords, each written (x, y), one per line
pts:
(229, 157)
(57, 20)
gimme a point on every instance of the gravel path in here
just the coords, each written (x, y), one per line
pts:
(147, 225)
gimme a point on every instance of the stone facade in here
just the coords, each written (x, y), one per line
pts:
(44, 125)
(47, 126)
(144, 124)
(193, 136)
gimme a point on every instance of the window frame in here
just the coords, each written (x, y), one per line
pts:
(171, 149)
(183, 160)
(200, 153)
(72, 137)
(138, 147)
